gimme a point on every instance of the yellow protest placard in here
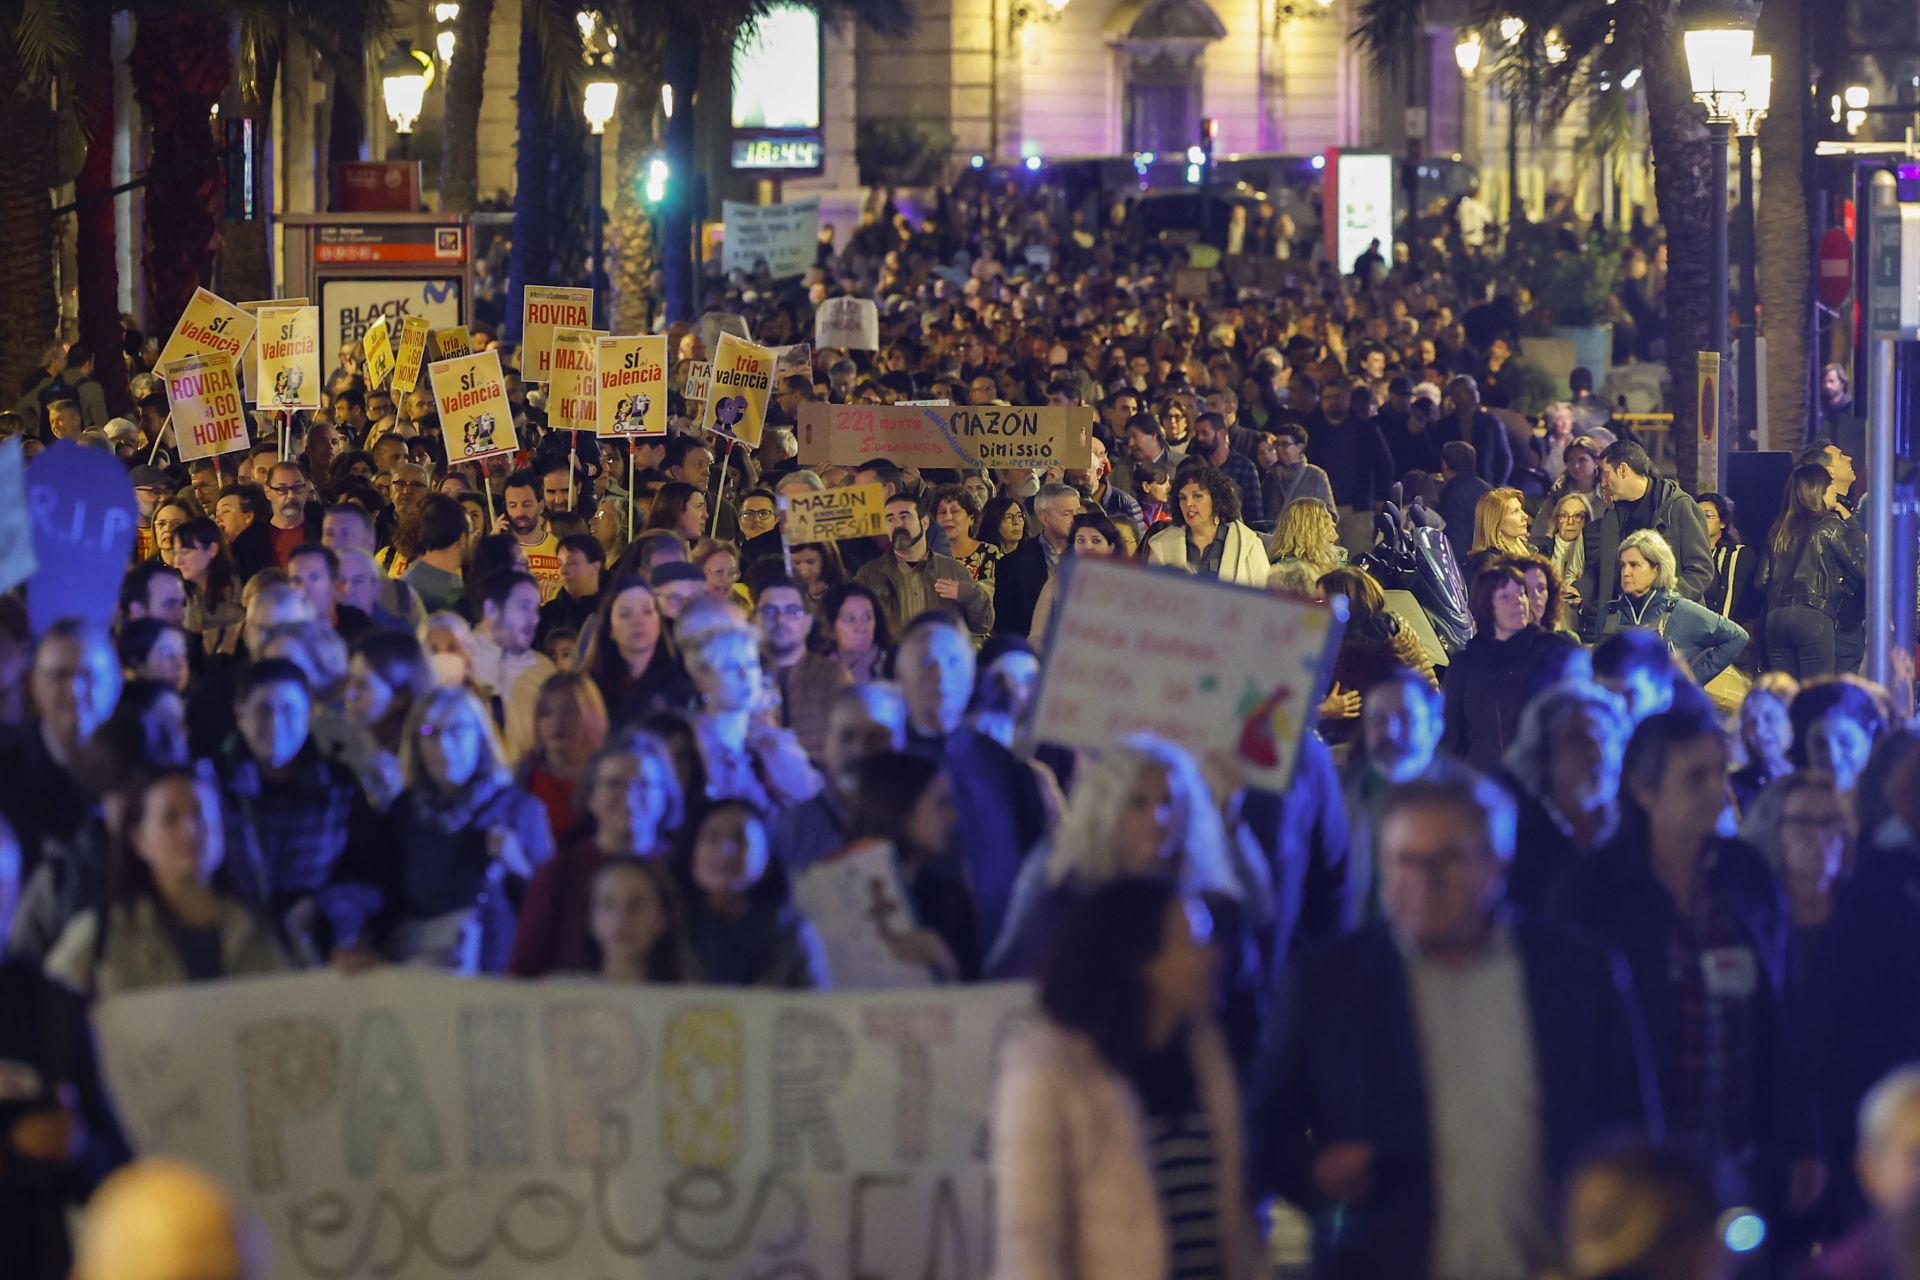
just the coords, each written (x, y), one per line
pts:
(289, 363)
(831, 515)
(570, 385)
(248, 365)
(737, 404)
(210, 323)
(632, 394)
(377, 342)
(543, 309)
(471, 395)
(208, 417)
(451, 344)
(410, 353)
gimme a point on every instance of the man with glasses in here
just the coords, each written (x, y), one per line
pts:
(288, 490)
(808, 681)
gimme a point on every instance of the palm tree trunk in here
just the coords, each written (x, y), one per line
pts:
(246, 260)
(530, 260)
(180, 67)
(29, 318)
(1784, 238)
(1683, 184)
(633, 250)
(98, 247)
(466, 84)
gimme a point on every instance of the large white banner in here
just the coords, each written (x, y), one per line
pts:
(414, 1124)
(347, 307)
(785, 235)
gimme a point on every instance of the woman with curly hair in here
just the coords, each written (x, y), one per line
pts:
(1306, 532)
(956, 512)
(1208, 538)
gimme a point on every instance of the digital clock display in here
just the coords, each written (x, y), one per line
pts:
(777, 153)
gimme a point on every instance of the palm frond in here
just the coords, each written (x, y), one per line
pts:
(555, 27)
(46, 39)
(1384, 29)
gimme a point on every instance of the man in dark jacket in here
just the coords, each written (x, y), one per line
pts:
(1353, 453)
(1492, 447)
(1020, 577)
(1461, 489)
(1710, 962)
(1641, 500)
(1437, 1076)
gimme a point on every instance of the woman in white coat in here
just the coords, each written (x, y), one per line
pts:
(1116, 1124)
(1207, 537)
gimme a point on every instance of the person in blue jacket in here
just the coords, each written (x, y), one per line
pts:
(1704, 640)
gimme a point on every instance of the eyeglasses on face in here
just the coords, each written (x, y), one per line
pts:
(286, 490)
(791, 612)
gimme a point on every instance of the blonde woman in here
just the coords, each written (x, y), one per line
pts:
(569, 728)
(1140, 809)
(1499, 529)
(459, 835)
(748, 756)
(448, 642)
(1305, 532)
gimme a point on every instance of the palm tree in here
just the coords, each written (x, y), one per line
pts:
(633, 249)
(1782, 234)
(33, 55)
(675, 41)
(1607, 41)
(466, 85)
(180, 65)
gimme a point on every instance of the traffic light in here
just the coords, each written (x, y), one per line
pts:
(653, 180)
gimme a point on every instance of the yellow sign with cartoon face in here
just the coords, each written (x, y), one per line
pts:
(289, 358)
(632, 397)
(736, 405)
(475, 418)
(377, 342)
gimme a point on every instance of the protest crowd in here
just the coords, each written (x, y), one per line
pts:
(1580, 938)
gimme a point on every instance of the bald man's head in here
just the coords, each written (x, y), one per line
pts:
(160, 1219)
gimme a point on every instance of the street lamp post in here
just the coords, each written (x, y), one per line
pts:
(1752, 110)
(1719, 63)
(404, 76)
(598, 100)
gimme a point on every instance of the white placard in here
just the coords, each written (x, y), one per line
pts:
(464, 1129)
(847, 324)
(785, 236)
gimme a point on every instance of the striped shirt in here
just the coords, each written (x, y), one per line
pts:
(1186, 1174)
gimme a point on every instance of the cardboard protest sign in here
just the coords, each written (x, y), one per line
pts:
(544, 308)
(795, 361)
(698, 380)
(737, 404)
(570, 385)
(248, 365)
(17, 560)
(208, 418)
(856, 905)
(210, 323)
(289, 362)
(85, 519)
(450, 344)
(832, 515)
(784, 236)
(1213, 667)
(848, 324)
(476, 419)
(461, 1127)
(377, 342)
(631, 399)
(410, 354)
(935, 436)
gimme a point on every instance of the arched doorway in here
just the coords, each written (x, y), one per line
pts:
(1162, 46)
